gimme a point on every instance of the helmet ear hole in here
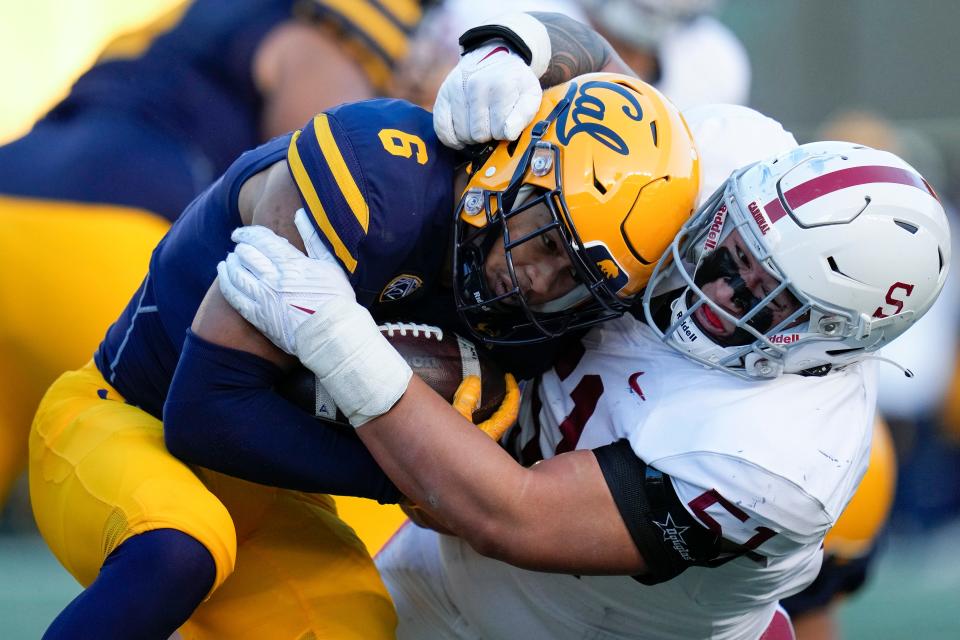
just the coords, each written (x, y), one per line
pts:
(910, 228)
(843, 352)
(597, 184)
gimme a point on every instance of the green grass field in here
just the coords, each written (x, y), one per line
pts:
(914, 593)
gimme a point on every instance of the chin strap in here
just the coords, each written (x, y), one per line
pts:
(906, 372)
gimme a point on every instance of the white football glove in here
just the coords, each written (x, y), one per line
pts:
(274, 286)
(352, 360)
(492, 94)
(307, 307)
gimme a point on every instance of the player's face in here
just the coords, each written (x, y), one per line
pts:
(542, 265)
(733, 279)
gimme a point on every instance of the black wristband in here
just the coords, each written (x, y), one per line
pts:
(473, 38)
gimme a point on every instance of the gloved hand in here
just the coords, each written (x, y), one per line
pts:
(467, 398)
(492, 94)
(274, 286)
(307, 307)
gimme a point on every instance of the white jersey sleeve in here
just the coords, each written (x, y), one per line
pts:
(730, 137)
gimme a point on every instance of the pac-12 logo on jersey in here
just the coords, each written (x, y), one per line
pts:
(400, 287)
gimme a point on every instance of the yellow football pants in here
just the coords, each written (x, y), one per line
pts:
(66, 272)
(287, 566)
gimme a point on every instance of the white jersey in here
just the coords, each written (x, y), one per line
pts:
(771, 463)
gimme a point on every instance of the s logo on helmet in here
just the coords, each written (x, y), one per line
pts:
(400, 287)
(614, 275)
(588, 112)
(894, 302)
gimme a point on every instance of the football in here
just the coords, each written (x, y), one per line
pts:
(441, 358)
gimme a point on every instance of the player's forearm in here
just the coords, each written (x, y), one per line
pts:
(557, 516)
(445, 464)
(576, 49)
(221, 413)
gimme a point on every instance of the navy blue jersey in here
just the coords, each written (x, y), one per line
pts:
(372, 175)
(169, 107)
(386, 214)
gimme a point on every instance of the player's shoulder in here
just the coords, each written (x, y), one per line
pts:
(368, 144)
(375, 179)
(804, 441)
(390, 128)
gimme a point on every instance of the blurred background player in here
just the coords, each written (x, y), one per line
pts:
(434, 50)
(166, 108)
(675, 45)
(851, 546)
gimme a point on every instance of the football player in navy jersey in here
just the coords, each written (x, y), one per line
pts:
(165, 110)
(151, 536)
(708, 493)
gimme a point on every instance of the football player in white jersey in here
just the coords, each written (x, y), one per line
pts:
(688, 459)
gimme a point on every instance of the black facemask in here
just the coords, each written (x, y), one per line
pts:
(720, 265)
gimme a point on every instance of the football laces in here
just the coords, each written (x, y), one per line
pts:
(414, 329)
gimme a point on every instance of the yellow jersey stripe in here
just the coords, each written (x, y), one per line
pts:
(376, 26)
(132, 44)
(406, 11)
(348, 186)
(316, 207)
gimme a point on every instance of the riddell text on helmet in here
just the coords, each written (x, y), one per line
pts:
(713, 234)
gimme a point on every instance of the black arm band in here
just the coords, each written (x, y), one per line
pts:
(473, 38)
(667, 536)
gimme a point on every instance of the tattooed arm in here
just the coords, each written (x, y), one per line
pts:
(576, 49)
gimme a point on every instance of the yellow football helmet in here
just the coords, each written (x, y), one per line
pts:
(857, 528)
(616, 165)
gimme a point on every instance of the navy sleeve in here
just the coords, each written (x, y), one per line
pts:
(222, 413)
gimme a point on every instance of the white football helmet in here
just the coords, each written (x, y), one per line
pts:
(854, 246)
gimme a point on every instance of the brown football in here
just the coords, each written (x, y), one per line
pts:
(441, 358)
